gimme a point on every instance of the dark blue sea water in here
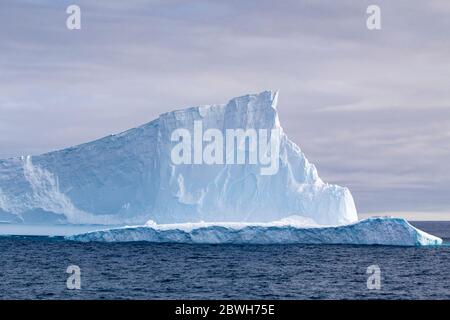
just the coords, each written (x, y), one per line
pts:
(34, 268)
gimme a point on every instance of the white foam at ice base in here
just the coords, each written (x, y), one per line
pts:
(373, 231)
(129, 178)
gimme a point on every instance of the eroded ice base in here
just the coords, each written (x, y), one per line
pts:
(372, 231)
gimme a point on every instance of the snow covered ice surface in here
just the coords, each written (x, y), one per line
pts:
(130, 178)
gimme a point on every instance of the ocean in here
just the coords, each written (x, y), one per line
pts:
(34, 267)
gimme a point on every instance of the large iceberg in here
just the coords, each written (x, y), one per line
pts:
(131, 178)
(134, 178)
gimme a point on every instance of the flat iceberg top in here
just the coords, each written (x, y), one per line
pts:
(292, 221)
(130, 178)
(372, 231)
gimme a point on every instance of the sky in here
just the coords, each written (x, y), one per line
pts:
(370, 108)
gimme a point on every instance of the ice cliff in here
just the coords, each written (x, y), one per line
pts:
(130, 177)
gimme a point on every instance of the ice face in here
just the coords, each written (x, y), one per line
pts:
(131, 177)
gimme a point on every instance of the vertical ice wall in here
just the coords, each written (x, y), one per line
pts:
(131, 178)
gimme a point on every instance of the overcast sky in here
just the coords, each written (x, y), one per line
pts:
(371, 109)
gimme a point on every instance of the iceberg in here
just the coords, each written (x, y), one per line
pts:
(130, 178)
(372, 231)
(194, 175)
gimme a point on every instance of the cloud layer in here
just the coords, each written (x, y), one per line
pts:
(370, 108)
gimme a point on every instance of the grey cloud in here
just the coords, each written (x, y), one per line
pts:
(370, 108)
